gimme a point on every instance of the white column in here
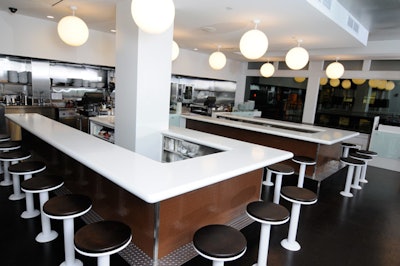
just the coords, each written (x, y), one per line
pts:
(143, 76)
(315, 71)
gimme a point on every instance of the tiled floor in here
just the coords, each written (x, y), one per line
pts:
(363, 230)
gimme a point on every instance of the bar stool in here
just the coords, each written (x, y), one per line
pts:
(365, 159)
(346, 148)
(27, 169)
(219, 243)
(298, 196)
(42, 185)
(102, 239)
(4, 137)
(66, 208)
(279, 169)
(267, 214)
(6, 146)
(303, 161)
(14, 157)
(351, 162)
(372, 154)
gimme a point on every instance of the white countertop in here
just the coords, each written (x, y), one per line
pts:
(151, 180)
(323, 135)
(104, 120)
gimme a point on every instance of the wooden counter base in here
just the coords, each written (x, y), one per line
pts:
(326, 156)
(178, 217)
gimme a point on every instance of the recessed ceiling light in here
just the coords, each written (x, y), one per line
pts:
(195, 49)
(114, 31)
(50, 17)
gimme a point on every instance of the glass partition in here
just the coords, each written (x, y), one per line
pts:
(353, 103)
(279, 98)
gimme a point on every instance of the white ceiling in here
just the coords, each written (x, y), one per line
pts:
(205, 24)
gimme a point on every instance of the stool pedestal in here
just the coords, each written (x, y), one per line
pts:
(267, 214)
(42, 185)
(27, 169)
(279, 170)
(351, 162)
(298, 196)
(66, 208)
(6, 146)
(346, 148)
(14, 157)
(303, 161)
(369, 156)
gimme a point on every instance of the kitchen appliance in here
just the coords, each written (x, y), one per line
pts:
(91, 102)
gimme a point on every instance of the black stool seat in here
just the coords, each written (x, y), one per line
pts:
(369, 153)
(27, 166)
(359, 156)
(351, 160)
(10, 144)
(101, 237)
(4, 136)
(345, 144)
(67, 205)
(267, 211)
(303, 159)
(299, 194)
(281, 168)
(14, 155)
(219, 241)
(42, 182)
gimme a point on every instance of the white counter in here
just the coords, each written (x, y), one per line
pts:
(321, 135)
(151, 180)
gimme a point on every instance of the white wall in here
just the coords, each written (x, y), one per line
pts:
(38, 38)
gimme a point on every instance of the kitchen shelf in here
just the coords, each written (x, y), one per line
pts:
(102, 127)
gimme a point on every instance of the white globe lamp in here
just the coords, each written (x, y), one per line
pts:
(73, 30)
(153, 16)
(175, 50)
(297, 57)
(267, 70)
(254, 43)
(335, 70)
(217, 60)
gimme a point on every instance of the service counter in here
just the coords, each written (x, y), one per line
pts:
(163, 203)
(322, 144)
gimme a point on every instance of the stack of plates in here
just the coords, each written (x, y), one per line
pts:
(77, 82)
(12, 76)
(23, 77)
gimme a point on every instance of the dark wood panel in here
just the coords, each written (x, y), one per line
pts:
(220, 203)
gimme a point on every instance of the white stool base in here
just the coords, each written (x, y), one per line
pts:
(75, 263)
(17, 196)
(356, 186)
(269, 184)
(346, 194)
(365, 181)
(293, 246)
(43, 238)
(30, 214)
(6, 183)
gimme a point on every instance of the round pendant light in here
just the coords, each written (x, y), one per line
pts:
(297, 57)
(358, 81)
(254, 43)
(299, 79)
(175, 50)
(373, 83)
(73, 30)
(381, 84)
(334, 82)
(323, 81)
(217, 60)
(346, 84)
(390, 85)
(267, 70)
(153, 16)
(335, 70)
